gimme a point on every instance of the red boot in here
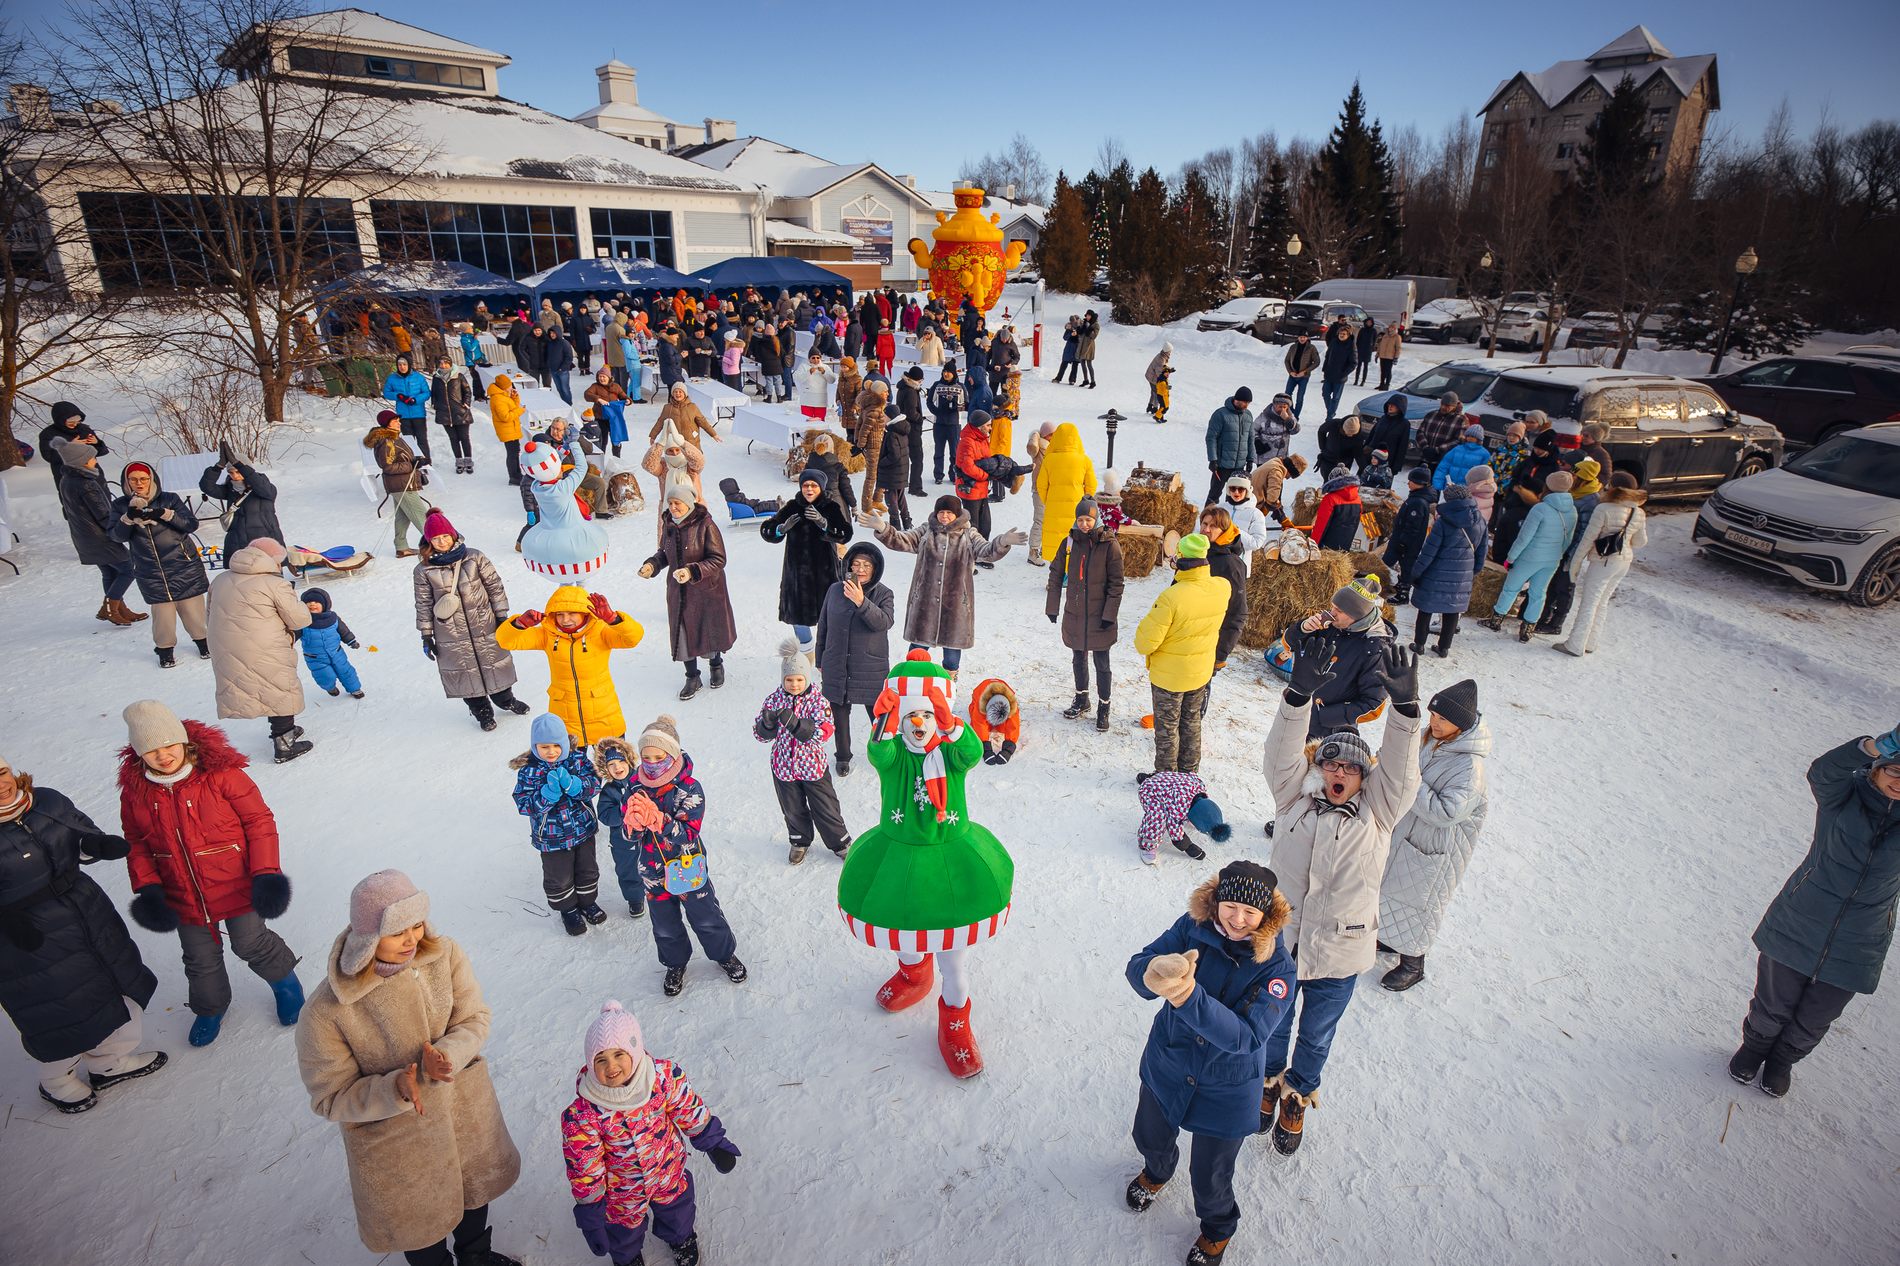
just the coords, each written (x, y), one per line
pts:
(910, 986)
(955, 1042)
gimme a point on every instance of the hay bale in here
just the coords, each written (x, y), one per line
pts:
(1279, 593)
(1305, 505)
(1484, 591)
(1140, 555)
(1161, 507)
(1366, 561)
(1383, 507)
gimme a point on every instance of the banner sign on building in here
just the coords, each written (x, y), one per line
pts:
(874, 239)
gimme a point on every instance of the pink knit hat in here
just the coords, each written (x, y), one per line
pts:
(613, 1030)
(382, 904)
(270, 547)
(437, 524)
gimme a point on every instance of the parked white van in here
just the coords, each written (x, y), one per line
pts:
(1388, 302)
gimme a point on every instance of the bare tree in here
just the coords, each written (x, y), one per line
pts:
(46, 330)
(1110, 154)
(258, 167)
(1017, 171)
(1513, 202)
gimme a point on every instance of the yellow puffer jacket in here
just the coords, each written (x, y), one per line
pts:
(1067, 475)
(580, 688)
(1179, 633)
(504, 408)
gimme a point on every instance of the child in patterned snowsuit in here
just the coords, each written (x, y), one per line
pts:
(555, 786)
(323, 642)
(1170, 803)
(617, 761)
(621, 1140)
(796, 721)
(663, 817)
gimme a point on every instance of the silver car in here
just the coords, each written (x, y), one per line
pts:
(1830, 517)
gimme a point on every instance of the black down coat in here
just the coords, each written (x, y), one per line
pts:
(811, 564)
(88, 508)
(253, 506)
(164, 557)
(854, 640)
(1085, 589)
(67, 963)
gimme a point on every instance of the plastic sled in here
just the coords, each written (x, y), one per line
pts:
(1280, 659)
(342, 559)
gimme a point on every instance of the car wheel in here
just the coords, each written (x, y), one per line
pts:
(1635, 470)
(1753, 464)
(1879, 580)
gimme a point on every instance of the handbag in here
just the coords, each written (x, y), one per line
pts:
(686, 873)
(1611, 544)
(450, 602)
(226, 516)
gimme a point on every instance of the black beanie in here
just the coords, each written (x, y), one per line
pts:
(950, 503)
(1248, 883)
(317, 596)
(1244, 395)
(914, 374)
(1458, 703)
(66, 410)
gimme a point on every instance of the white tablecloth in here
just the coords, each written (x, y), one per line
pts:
(779, 425)
(716, 400)
(543, 405)
(492, 351)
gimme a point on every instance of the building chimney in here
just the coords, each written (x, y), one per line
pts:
(104, 106)
(32, 105)
(910, 182)
(718, 130)
(616, 84)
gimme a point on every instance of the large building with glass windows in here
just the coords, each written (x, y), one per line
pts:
(506, 187)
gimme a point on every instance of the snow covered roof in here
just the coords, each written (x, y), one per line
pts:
(782, 169)
(1638, 41)
(621, 110)
(786, 231)
(374, 28)
(1562, 81)
(945, 200)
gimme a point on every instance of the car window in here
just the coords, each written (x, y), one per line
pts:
(1849, 461)
(1770, 373)
(1516, 395)
(1816, 376)
(1301, 309)
(1436, 381)
(1700, 402)
(1663, 410)
(1622, 405)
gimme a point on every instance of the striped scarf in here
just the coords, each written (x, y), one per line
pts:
(936, 782)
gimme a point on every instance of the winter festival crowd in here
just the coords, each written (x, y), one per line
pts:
(1359, 866)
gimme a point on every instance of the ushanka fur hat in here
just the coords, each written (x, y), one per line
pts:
(381, 904)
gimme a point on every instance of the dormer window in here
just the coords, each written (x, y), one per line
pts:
(321, 61)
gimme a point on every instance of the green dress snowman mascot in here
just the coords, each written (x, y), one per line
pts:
(926, 881)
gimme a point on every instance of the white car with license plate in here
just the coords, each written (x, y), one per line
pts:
(1829, 518)
(1528, 328)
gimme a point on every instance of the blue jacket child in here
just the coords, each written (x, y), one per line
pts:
(616, 788)
(323, 642)
(409, 392)
(555, 786)
(1462, 458)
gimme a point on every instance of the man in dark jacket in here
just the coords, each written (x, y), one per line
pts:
(1336, 367)
(1367, 340)
(1273, 433)
(250, 499)
(701, 351)
(1229, 442)
(947, 400)
(910, 406)
(87, 503)
(1391, 432)
(853, 338)
(1409, 529)
(969, 326)
(764, 349)
(853, 641)
(68, 424)
(1003, 356)
(667, 348)
(1302, 358)
(1353, 629)
(1440, 430)
(1826, 935)
(580, 332)
(557, 363)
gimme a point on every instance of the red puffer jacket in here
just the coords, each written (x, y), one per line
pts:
(203, 837)
(973, 482)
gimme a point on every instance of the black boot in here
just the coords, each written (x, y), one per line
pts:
(477, 1252)
(1747, 1061)
(718, 677)
(1409, 972)
(1189, 847)
(165, 659)
(1205, 1252)
(1777, 1076)
(692, 686)
(483, 713)
(512, 704)
(675, 981)
(204, 647)
(1142, 1191)
(686, 1253)
(572, 921)
(1101, 716)
(288, 747)
(593, 913)
(734, 969)
(1077, 706)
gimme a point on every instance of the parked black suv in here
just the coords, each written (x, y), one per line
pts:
(1809, 398)
(1674, 434)
(1313, 317)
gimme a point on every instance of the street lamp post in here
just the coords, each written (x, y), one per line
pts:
(1112, 419)
(1745, 263)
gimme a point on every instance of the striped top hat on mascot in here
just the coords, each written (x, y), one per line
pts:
(564, 542)
(926, 881)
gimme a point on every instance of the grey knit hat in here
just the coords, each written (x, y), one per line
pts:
(151, 725)
(1345, 746)
(661, 732)
(1086, 508)
(793, 661)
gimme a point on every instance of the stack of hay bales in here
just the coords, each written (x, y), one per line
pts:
(1279, 593)
(1369, 562)
(1140, 554)
(1154, 497)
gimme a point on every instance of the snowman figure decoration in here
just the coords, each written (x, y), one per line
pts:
(564, 541)
(926, 881)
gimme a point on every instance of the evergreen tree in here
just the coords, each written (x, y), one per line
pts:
(1269, 270)
(1355, 170)
(1118, 190)
(1195, 260)
(1141, 252)
(1064, 253)
(1613, 161)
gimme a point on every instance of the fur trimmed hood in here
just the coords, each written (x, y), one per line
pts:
(215, 755)
(380, 435)
(1200, 906)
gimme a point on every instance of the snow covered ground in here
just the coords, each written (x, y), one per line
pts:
(1554, 1091)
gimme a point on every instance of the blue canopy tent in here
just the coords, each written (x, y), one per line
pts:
(607, 277)
(432, 279)
(771, 274)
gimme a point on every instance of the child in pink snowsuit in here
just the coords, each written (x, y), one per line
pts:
(1170, 803)
(621, 1138)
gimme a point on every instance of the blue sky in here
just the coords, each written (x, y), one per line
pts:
(1169, 80)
